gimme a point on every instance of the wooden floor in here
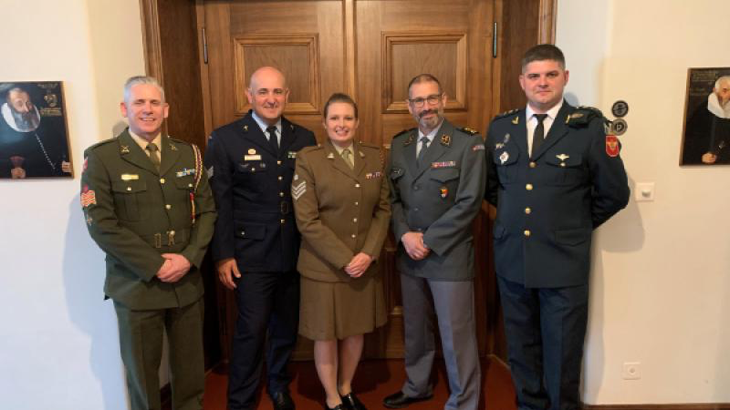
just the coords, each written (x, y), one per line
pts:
(374, 380)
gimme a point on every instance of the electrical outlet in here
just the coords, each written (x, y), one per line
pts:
(632, 371)
(644, 192)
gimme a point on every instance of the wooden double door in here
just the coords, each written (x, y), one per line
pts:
(369, 49)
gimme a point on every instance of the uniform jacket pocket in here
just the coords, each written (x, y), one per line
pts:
(126, 194)
(573, 237)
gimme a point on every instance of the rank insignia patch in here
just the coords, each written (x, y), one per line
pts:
(88, 197)
(298, 190)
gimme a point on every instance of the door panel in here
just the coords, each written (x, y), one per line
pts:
(370, 49)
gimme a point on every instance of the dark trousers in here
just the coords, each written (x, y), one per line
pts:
(266, 302)
(545, 330)
(140, 337)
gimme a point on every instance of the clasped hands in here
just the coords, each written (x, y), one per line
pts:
(415, 248)
(358, 265)
(174, 267)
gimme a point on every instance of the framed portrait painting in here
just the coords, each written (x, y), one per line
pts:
(33, 131)
(706, 138)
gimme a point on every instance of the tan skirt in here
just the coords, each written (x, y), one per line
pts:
(336, 310)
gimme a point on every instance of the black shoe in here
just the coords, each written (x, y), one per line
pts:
(340, 406)
(282, 401)
(400, 400)
(351, 402)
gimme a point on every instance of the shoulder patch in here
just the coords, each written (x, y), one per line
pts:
(582, 116)
(311, 148)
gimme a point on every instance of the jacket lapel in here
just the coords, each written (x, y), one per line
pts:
(359, 158)
(170, 155)
(132, 153)
(253, 133)
(337, 161)
(409, 151)
(287, 135)
(519, 125)
(557, 131)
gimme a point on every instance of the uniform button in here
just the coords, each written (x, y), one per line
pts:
(278, 162)
(253, 169)
(354, 219)
(162, 180)
(527, 233)
(243, 233)
(528, 210)
(562, 164)
(415, 187)
(357, 203)
(357, 185)
(129, 188)
(415, 209)
(190, 185)
(533, 164)
(354, 236)
(281, 177)
(283, 220)
(168, 206)
(528, 187)
(281, 194)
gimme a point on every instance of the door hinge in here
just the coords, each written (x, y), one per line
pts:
(205, 47)
(494, 40)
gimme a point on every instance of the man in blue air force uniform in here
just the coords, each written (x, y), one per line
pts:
(555, 176)
(256, 243)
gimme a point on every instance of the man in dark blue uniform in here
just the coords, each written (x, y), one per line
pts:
(555, 176)
(256, 242)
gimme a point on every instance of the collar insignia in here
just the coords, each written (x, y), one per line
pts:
(516, 120)
(125, 149)
(245, 128)
(445, 140)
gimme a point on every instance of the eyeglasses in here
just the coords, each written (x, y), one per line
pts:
(432, 99)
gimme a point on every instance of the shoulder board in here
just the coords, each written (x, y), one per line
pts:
(177, 141)
(404, 132)
(469, 131)
(368, 145)
(311, 148)
(100, 143)
(506, 114)
(582, 116)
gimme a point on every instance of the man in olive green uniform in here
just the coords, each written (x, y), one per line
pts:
(148, 205)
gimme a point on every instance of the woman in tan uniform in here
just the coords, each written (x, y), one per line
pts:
(342, 209)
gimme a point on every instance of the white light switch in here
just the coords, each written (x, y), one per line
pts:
(644, 191)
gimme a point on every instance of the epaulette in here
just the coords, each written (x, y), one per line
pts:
(404, 132)
(368, 145)
(177, 141)
(506, 114)
(100, 143)
(583, 115)
(469, 131)
(311, 148)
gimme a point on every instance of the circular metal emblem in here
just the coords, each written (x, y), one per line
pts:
(619, 126)
(620, 108)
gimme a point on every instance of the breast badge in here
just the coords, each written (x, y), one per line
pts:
(504, 157)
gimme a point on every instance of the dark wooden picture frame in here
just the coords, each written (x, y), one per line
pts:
(33, 131)
(706, 135)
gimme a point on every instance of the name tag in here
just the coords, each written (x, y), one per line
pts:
(252, 157)
(130, 177)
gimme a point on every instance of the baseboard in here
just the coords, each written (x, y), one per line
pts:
(707, 406)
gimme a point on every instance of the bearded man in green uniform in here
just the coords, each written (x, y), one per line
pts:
(148, 205)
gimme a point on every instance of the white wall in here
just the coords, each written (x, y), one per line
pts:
(58, 339)
(660, 284)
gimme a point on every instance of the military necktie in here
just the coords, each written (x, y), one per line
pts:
(272, 139)
(152, 148)
(422, 152)
(539, 135)
(347, 157)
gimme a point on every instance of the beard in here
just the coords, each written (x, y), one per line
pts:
(26, 121)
